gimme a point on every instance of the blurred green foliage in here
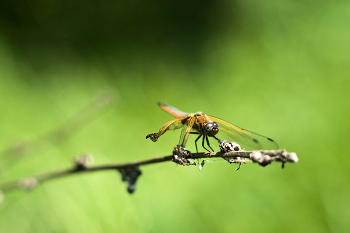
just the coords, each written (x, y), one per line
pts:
(279, 68)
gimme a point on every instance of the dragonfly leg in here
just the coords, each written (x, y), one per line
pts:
(154, 137)
(217, 139)
(203, 143)
(195, 142)
(206, 137)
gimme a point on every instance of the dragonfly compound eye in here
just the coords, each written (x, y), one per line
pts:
(207, 127)
(211, 128)
(214, 130)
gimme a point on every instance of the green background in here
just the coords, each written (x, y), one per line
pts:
(279, 68)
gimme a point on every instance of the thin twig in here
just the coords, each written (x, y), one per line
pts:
(31, 182)
(65, 130)
(82, 166)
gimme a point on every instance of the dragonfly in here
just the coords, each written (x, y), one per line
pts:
(208, 126)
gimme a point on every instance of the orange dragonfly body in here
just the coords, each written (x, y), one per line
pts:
(208, 126)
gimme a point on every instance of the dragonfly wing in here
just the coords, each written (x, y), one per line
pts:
(171, 125)
(173, 111)
(245, 137)
(188, 124)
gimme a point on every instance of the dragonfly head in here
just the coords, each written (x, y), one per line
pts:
(210, 128)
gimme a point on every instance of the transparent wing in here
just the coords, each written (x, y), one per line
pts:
(171, 125)
(245, 137)
(173, 111)
(188, 124)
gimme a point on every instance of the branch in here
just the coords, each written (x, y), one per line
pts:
(130, 171)
(65, 130)
(82, 165)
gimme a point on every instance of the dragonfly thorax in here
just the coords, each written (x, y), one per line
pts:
(210, 128)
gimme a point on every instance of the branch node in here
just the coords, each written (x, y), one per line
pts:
(130, 175)
(232, 146)
(291, 157)
(180, 155)
(28, 183)
(83, 162)
(260, 158)
(227, 147)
